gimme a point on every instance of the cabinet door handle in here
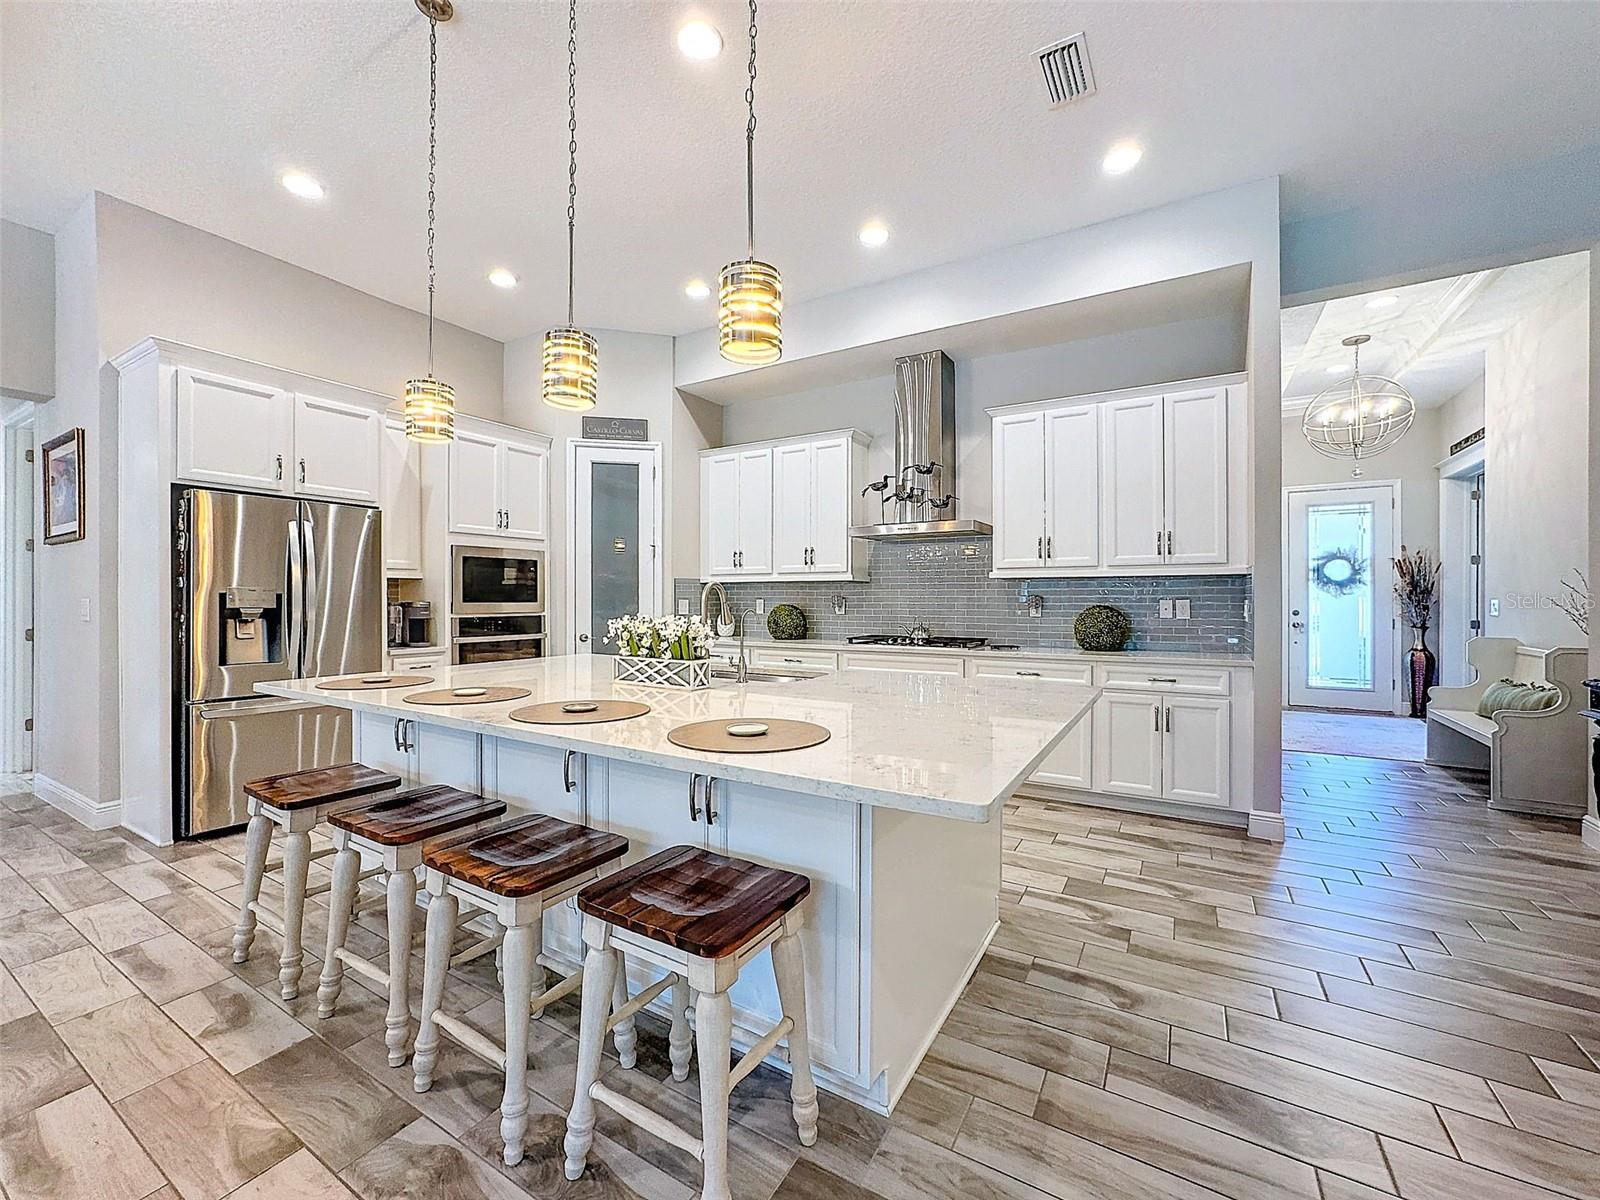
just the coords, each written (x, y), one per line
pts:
(711, 805)
(411, 729)
(1169, 718)
(694, 807)
(280, 466)
(1169, 543)
(1040, 551)
(1157, 712)
(397, 746)
(1158, 543)
(1049, 546)
(302, 470)
(568, 783)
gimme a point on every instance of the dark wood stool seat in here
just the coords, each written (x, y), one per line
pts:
(527, 856)
(320, 785)
(694, 900)
(417, 815)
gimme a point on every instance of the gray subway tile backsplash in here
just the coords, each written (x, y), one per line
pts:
(946, 583)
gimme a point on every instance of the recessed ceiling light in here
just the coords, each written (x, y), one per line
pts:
(873, 233)
(503, 278)
(301, 184)
(697, 289)
(1122, 158)
(1383, 301)
(699, 40)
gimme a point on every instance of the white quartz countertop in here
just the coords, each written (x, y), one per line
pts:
(906, 740)
(1175, 657)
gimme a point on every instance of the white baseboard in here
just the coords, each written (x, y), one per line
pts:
(1208, 814)
(1591, 832)
(1266, 826)
(95, 814)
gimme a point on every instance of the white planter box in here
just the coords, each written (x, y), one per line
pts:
(664, 672)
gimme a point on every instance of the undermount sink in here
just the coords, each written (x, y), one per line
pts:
(756, 676)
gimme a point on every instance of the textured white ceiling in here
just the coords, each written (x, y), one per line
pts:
(928, 115)
(1432, 339)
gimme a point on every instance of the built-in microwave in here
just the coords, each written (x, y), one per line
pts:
(494, 581)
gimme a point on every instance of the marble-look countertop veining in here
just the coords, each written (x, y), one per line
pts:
(1198, 659)
(905, 740)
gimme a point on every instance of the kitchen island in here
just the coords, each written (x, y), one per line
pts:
(895, 818)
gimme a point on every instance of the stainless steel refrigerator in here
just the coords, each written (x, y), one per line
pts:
(265, 588)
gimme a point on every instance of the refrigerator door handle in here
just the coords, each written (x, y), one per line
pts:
(296, 600)
(225, 710)
(307, 593)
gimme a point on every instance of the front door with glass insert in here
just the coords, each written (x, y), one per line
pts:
(615, 536)
(1340, 612)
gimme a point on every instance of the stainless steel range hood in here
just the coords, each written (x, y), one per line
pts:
(919, 499)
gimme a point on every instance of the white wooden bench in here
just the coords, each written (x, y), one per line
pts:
(1536, 760)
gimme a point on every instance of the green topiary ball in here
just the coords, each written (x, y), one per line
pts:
(786, 622)
(1102, 627)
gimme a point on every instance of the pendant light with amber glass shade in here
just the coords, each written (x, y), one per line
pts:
(750, 292)
(430, 406)
(571, 358)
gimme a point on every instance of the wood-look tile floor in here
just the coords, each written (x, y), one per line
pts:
(1403, 999)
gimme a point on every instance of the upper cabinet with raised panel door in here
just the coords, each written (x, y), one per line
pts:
(401, 499)
(783, 510)
(499, 481)
(1146, 481)
(236, 433)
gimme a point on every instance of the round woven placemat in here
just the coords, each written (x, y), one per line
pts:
(371, 683)
(780, 735)
(605, 710)
(492, 695)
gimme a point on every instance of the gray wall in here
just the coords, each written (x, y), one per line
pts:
(1460, 415)
(27, 312)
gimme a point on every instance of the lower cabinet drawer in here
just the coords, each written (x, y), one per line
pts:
(1051, 670)
(416, 662)
(811, 660)
(928, 664)
(1196, 681)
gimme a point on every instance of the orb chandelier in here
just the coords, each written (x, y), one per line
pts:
(571, 357)
(1360, 416)
(750, 292)
(430, 406)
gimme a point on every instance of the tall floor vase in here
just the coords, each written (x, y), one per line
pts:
(1422, 664)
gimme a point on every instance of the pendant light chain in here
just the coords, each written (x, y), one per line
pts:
(750, 145)
(572, 144)
(433, 162)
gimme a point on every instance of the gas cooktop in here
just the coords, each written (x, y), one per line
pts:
(900, 639)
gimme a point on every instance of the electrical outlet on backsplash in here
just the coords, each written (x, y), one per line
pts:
(947, 585)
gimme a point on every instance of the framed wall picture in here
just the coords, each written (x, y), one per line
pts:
(63, 488)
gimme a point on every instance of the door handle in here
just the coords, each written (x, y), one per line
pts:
(1297, 624)
(280, 466)
(1157, 711)
(1169, 718)
(583, 637)
(1040, 551)
(694, 807)
(1169, 543)
(568, 783)
(1049, 546)
(1158, 543)
(397, 746)
(302, 470)
(711, 805)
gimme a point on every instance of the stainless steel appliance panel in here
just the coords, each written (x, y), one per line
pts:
(496, 580)
(235, 741)
(343, 569)
(231, 543)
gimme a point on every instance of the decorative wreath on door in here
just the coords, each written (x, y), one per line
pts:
(1339, 571)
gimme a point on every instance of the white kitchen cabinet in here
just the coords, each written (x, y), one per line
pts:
(233, 433)
(1019, 490)
(420, 754)
(783, 510)
(338, 450)
(401, 499)
(1132, 514)
(499, 481)
(1135, 482)
(542, 779)
(1127, 744)
(421, 662)
(1069, 764)
(1195, 753)
(891, 660)
(1196, 481)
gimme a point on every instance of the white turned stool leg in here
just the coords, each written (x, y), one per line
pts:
(257, 839)
(441, 931)
(402, 895)
(540, 977)
(625, 1033)
(599, 967)
(518, 991)
(296, 860)
(341, 902)
(788, 964)
(680, 1041)
(713, 1030)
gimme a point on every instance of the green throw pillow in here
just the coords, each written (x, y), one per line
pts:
(1505, 694)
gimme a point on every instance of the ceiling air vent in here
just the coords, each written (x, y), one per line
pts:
(1065, 66)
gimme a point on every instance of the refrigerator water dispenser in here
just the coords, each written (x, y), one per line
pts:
(250, 622)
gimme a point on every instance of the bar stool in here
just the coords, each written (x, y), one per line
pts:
(294, 803)
(515, 872)
(393, 830)
(702, 916)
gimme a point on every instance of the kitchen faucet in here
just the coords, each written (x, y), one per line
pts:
(725, 613)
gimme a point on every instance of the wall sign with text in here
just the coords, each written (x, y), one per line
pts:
(617, 429)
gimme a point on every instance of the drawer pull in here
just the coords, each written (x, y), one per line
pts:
(1163, 679)
(1034, 674)
(794, 660)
